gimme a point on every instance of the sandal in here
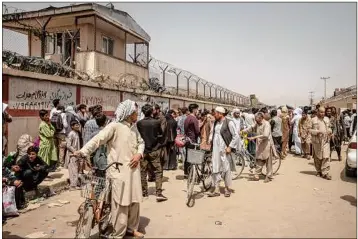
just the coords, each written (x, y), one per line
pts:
(213, 194)
(326, 176)
(134, 234)
(227, 193)
(267, 180)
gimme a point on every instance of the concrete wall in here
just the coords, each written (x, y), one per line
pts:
(96, 63)
(27, 92)
(346, 102)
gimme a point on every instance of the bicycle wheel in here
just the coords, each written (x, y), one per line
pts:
(276, 164)
(239, 164)
(206, 173)
(190, 186)
(84, 225)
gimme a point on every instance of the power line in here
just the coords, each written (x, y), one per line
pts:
(311, 93)
(325, 85)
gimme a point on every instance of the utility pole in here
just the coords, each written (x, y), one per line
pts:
(311, 97)
(325, 85)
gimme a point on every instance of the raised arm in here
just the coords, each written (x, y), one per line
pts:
(100, 139)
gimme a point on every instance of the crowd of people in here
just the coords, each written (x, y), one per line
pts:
(151, 141)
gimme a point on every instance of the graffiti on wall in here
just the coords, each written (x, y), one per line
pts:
(28, 94)
(107, 98)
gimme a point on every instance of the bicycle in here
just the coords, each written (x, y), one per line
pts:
(97, 206)
(243, 156)
(196, 158)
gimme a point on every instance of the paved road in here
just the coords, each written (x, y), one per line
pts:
(295, 204)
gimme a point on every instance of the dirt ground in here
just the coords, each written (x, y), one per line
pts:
(296, 204)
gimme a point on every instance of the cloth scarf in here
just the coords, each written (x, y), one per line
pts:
(124, 110)
(70, 109)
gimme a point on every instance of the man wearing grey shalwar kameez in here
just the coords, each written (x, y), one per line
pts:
(224, 138)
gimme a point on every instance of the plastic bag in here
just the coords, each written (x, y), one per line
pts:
(8, 201)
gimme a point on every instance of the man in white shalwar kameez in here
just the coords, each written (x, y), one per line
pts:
(124, 145)
(224, 138)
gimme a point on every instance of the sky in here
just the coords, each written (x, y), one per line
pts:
(277, 51)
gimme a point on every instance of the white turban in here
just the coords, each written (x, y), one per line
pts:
(124, 110)
(278, 112)
(236, 110)
(220, 109)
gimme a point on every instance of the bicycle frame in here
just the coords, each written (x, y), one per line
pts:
(97, 206)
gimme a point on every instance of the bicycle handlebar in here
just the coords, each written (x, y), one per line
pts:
(111, 164)
(191, 142)
(108, 166)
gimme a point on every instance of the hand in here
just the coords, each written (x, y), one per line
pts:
(78, 154)
(228, 150)
(135, 161)
(17, 183)
(250, 138)
(15, 168)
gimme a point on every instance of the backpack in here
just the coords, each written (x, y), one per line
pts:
(56, 121)
(100, 158)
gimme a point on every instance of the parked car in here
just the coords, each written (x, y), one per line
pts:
(351, 159)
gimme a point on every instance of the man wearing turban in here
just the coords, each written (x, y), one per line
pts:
(124, 145)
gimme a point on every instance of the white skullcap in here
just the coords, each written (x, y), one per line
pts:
(236, 110)
(220, 109)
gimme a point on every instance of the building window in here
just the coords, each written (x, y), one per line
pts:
(50, 44)
(107, 45)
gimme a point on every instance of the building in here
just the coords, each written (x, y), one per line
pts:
(342, 98)
(88, 37)
(100, 41)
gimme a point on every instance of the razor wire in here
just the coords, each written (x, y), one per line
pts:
(163, 77)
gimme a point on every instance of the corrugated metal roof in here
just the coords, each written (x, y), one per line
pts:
(122, 18)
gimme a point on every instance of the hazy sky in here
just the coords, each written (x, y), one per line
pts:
(277, 51)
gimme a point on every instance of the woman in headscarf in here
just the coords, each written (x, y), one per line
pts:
(170, 156)
(25, 141)
(124, 145)
(295, 138)
(285, 130)
(304, 126)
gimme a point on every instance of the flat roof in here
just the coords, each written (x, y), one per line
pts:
(118, 17)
